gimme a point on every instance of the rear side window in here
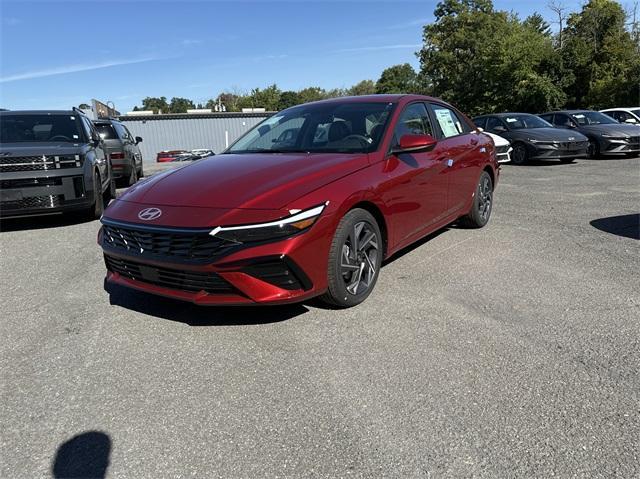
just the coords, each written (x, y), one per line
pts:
(106, 131)
(548, 118)
(122, 133)
(448, 121)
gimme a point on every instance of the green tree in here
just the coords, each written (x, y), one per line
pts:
(537, 22)
(485, 60)
(157, 105)
(180, 105)
(603, 55)
(313, 93)
(365, 87)
(288, 99)
(398, 79)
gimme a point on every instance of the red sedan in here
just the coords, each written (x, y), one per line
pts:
(308, 203)
(169, 155)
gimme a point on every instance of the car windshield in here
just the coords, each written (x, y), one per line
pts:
(106, 131)
(592, 118)
(39, 128)
(520, 122)
(636, 112)
(333, 127)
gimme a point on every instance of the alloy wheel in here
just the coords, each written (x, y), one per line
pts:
(359, 258)
(485, 198)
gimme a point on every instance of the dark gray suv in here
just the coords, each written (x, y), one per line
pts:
(122, 149)
(52, 162)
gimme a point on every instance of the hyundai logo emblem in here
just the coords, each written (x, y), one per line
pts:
(149, 214)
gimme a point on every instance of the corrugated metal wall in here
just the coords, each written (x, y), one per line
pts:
(182, 132)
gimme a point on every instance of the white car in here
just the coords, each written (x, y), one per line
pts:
(624, 115)
(503, 148)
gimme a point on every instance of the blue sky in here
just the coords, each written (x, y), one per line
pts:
(59, 54)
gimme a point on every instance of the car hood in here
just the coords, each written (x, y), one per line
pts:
(247, 181)
(40, 148)
(549, 134)
(613, 129)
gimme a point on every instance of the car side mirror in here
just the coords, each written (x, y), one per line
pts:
(631, 121)
(138, 139)
(500, 129)
(410, 143)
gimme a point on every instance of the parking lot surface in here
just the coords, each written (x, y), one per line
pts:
(511, 351)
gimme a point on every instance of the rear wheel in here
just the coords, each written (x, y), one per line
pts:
(520, 155)
(355, 258)
(133, 176)
(482, 203)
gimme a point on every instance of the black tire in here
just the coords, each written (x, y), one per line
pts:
(133, 176)
(482, 204)
(567, 160)
(353, 272)
(520, 154)
(96, 209)
(594, 149)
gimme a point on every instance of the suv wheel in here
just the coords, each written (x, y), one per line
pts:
(355, 258)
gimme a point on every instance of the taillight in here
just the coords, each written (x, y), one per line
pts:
(117, 156)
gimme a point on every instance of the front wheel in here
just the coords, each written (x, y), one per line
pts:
(482, 203)
(520, 155)
(355, 258)
(594, 149)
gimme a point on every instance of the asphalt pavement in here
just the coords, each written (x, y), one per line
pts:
(511, 351)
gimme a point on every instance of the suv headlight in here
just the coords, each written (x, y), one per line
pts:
(288, 226)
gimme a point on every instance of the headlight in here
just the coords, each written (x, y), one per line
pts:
(614, 137)
(288, 226)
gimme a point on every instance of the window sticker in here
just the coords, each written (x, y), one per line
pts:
(447, 123)
(75, 137)
(579, 115)
(72, 117)
(511, 120)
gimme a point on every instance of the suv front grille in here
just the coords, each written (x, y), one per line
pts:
(192, 281)
(38, 163)
(186, 246)
(50, 201)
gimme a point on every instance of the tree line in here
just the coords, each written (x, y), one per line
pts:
(486, 60)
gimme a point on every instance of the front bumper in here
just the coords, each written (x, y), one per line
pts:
(280, 272)
(559, 151)
(42, 192)
(611, 147)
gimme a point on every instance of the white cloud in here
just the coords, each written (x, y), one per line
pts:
(82, 67)
(190, 41)
(400, 46)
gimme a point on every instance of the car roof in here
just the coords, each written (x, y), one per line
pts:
(384, 98)
(568, 112)
(105, 120)
(501, 115)
(40, 112)
(630, 108)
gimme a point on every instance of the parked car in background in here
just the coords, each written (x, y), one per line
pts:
(607, 137)
(503, 148)
(273, 223)
(202, 152)
(624, 115)
(169, 155)
(122, 148)
(186, 157)
(52, 162)
(532, 138)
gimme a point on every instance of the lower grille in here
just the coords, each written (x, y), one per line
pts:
(275, 272)
(29, 182)
(191, 281)
(501, 150)
(51, 201)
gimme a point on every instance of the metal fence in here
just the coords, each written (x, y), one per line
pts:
(214, 131)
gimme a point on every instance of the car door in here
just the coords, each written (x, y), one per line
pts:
(127, 143)
(416, 193)
(134, 147)
(461, 153)
(99, 152)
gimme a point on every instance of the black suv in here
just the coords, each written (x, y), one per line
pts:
(50, 162)
(122, 148)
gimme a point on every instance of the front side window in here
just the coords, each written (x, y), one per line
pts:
(592, 118)
(331, 127)
(122, 133)
(563, 120)
(449, 123)
(40, 128)
(495, 124)
(413, 121)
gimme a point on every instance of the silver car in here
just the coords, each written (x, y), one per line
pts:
(122, 149)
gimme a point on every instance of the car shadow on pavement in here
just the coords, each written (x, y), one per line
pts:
(40, 222)
(83, 456)
(194, 315)
(624, 225)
